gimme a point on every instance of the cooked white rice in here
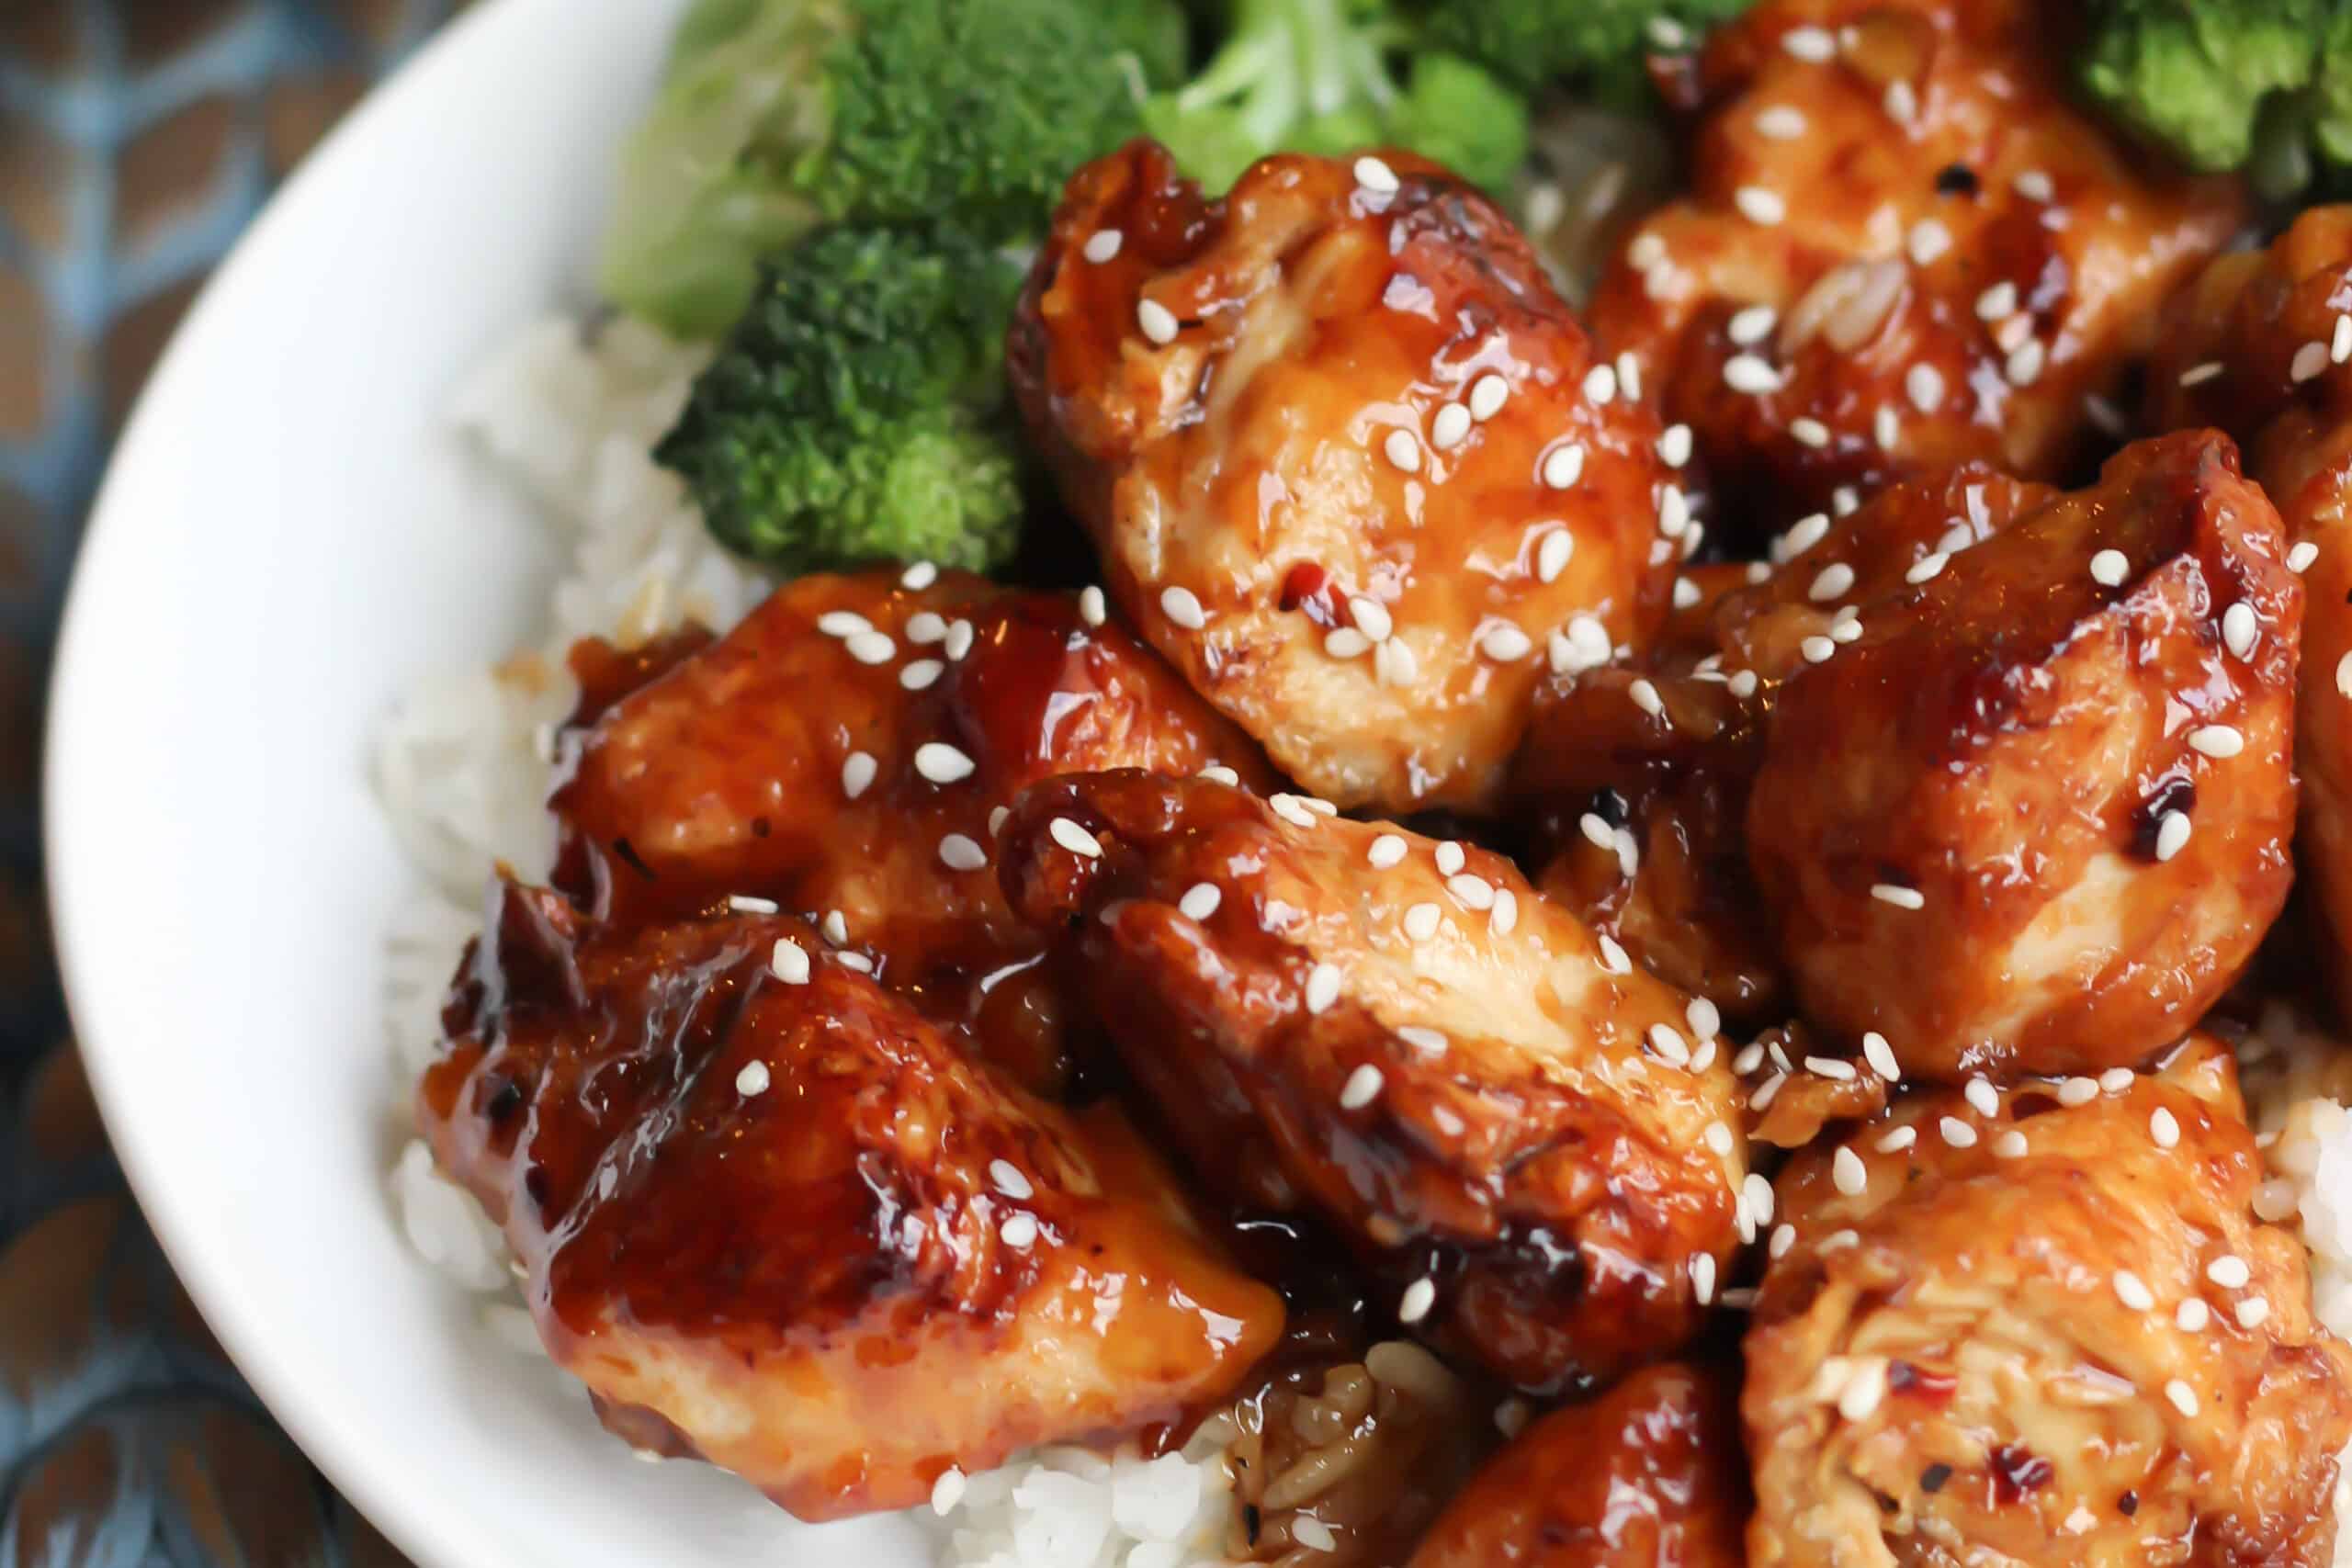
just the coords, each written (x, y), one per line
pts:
(463, 766)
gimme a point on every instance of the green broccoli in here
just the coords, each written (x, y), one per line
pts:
(1595, 44)
(2194, 75)
(857, 411)
(1317, 77)
(775, 117)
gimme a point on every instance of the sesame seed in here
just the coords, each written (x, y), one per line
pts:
(870, 648)
(1200, 900)
(1705, 1018)
(2252, 1312)
(1928, 238)
(843, 623)
(746, 904)
(1810, 43)
(920, 675)
(1751, 325)
(1783, 1237)
(1669, 1045)
(2216, 740)
(1474, 891)
(1757, 1192)
(1902, 897)
(1926, 568)
(1403, 450)
(1673, 510)
(1924, 385)
(1881, 1057)
(1702, 1278)
(1830, 1067)
(1361, 1088)
(1091, 609)
(1373, 174)
(1956, 1133)
(1563, 465)
(2309, 361)
(2110, 568)
(2229, 1271)
(788, 962)
(924, 628)
(958, 641)
(1864, 1390)
(2033, 184)
(1742, 683)
(1885, 428)
(1674, 446)
(1488, 394)
(1646, 696)
(1074, 839)
(1895, 1142)
(1313, 1533)
(1415, 1303)
(1983, 1096)
(1450, 428)
(1613, 956)
(2183, 1397)
(2078, 1091)
(1505, 644)
(1102, 246)
(1803, 534)
(2300, 558)
(1717, 1137)
(857, 771)
(1292, 809)
(2339, 342)
(1901, 102)
(1505, 918)
(2024, 364)
(957, 852)
(2240, 629)
(1746, 373)
(1450, 858)
(1600, 383)
(1180, 605)
(1430, 1042)
(1597, 830)
(1848, 1172)
(941, 763)
(1217, 773)
(1322, 986)
(2192, 1314)
(947, 1491)
(1008, 1180)
(1998, 302)
(1629, 373)
(1816, 650)
(1019, 1231)
(1647, 249)
(752, 1081)
(2197, 375)
(2172, 835)
(1780, 123)
(1386, 850)
(836, 929)
(1847, 627)
(1552, 554)
(1758, 205)
(1809, 432)
(1832, 581)
(2115, 1080)
(2132, 1291)
(2009, 1145)
(1157, 321)
(1420, 921)
(2344, 676)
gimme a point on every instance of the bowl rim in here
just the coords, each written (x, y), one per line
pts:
(334, 1439)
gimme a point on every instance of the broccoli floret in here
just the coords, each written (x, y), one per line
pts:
(1317, 77)
(857, 410)
(2193, 75)
(777, 115)
(1597, 44)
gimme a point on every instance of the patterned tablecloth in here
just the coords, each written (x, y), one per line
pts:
(137, 139)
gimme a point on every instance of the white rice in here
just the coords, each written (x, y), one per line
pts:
(463, 766)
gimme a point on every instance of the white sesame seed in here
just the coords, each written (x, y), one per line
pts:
(2216, 740)
(857, 771)
(1505, 644)
(1669, 1046)
(1091, 607)
(2240, 629)
(1760, 205)
(788, 962)
(2197, 375)
(1102, 246)
(1812, 44)
(1881, 1057)
(1292, 809)
(1847, 626)
(1780, 123)
(1563, 465)
(1998, 302)
(1450, 858)
(1901, 102)
(1600, 383)
(1371, 617)
(1924, 385)
(1956, 1133)
(1834, 1067)
(2172, 835)
(941, 763)
(1832, 581)
(1019, 1231)
(2309, 361)
(1809, 432)
(1180, 605)
(1373, 174)
(1313, 1533)
(1705, 1018)
(1864, 1389)
(947, 1491)
(1361, 1088)
(2192, 1314)
(1848, 1172)
(2024, 364)
(747, 904)
(1428, 1041)
(1010, 1181)
(1928, 239)
(1629, 373)
(2339, 342)
(1746, 373)
(835, 927)
(2132, 1291)
(1218, 772)
(1983, 1096)
(1673, 510)
(1074, 839)
(2115, 1080)
(2252, 1312)
(1751, 325)
(1157, 321)
(1674, 446)
(843, 624)
(1816, 650)
(1783, 1237)
(1473, 892)
(1505, 918)
(1488, 394)
(2078, 1091)
(2110, 568)
(1895, 1142)
(1597, 830)
(1200, 900)
(1450, 426)
(1885, 427)
(2033, 184)
(1413, 1307)
(752, 1081)
(1646, 250)
(1717, 1137)
(2300, 558)
(2183, 1397)
(1756, 1191)
(1346, 642)
(1552, 552)
(1613, 956)
(958, 641)
(1421, 921)
(1645, 697)
(1803, 534)
(1702, 1278)
(1386, 850)
(1926, 568)
(2344, 676)
(1403, 450)
(1322, 987)
(1742, 684)
(2009, 1145)
(870, 648)
(925, 627)
(2229, 1271)
(957, 852)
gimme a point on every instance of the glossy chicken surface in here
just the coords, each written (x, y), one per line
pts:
(844, 752)
(1348, 460)
(1649, 1475)
(2034, 814)
(1509, 1121)
(767, 1211)
(1904, 247)
(2254, 346)
(2052, 1333)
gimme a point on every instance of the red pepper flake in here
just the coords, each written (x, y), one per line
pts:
(1308, 586)
(2018, 1471)
(1914, 1383)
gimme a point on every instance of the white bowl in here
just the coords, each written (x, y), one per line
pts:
(290, 534)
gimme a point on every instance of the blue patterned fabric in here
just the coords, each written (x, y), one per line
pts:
(137, 140)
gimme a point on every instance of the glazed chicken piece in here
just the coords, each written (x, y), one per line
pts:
(1351, 464)
(1649, 1475)
(2049, 1332)
(1905, 247)
(2256, 347)
(841, 754)
(2031, 813)
(767, 1212)
(1524, 1136)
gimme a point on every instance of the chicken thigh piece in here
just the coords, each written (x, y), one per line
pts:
(1350, 462)
(769, 1213)
(1906, 247)
(1649, 1475)
(842, 752)
(2031, 813)
(2048, 1330)
(2259, 346)
(1523, 1135)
